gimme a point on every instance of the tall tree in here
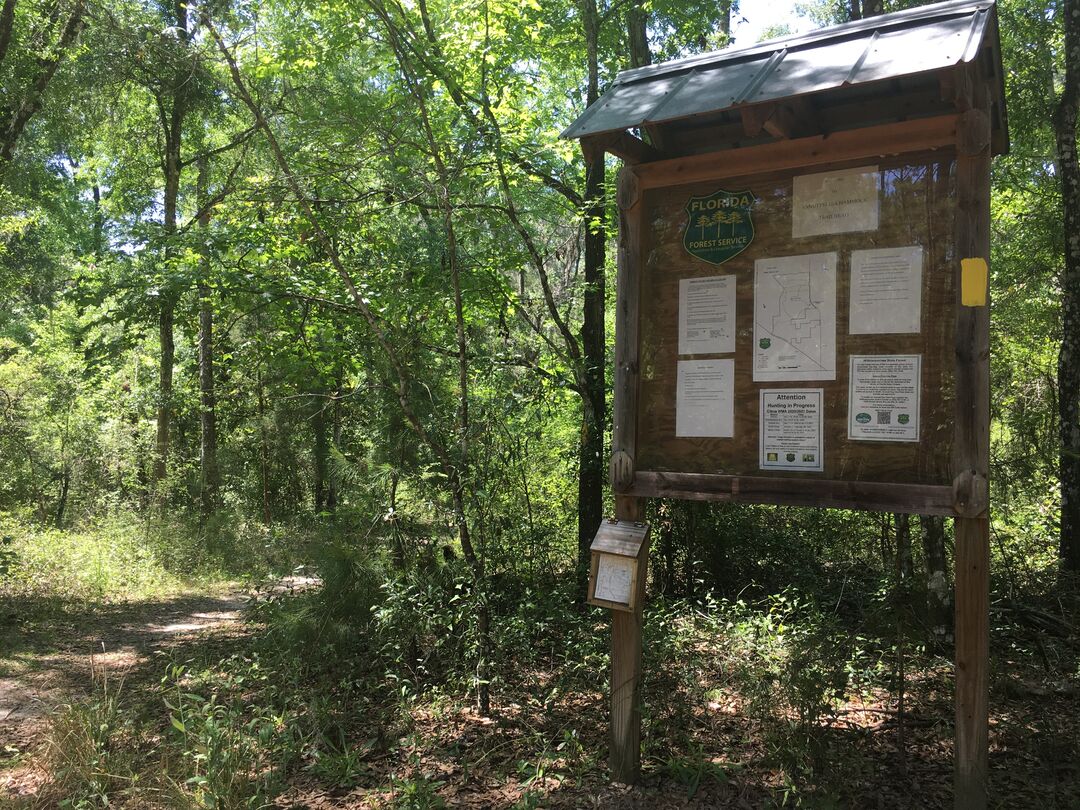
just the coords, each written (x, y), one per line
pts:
(637, 29)
(210, 480)
(939, 614)
(453, 457)
(591, 472)
(1069, 356)
(171, 95)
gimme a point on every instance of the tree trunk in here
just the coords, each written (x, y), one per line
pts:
(884, 527)
(594, 406)
(48, 61)
(594, 402)
(99, 225)
(939, 612)
(7, 26)
(903, 547)
(665, 530)
(165, 385)
(335, 438)
(208, 463)
(866, 8)
(461, 472)
(637, 25)
(693, 528)
(264, 451)
(172, 126)
(1069, 355)
(321, 453)
(61, 504)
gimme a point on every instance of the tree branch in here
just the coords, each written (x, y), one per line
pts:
(31, 102)
(327, 244)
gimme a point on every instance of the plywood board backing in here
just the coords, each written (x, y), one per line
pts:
(917, 207)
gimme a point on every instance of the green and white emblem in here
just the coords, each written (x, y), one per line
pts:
(719, 227)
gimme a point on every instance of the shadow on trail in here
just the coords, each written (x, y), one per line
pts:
(47, 624)
(51, 649)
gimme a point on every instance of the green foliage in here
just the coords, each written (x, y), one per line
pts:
(692, 769)
(789, 662)
(121, 557)
(87, 752)
(325, 622)
(415, 792)
(231, 752)
(113, 560)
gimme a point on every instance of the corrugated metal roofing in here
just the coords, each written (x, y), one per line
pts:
(905, 43)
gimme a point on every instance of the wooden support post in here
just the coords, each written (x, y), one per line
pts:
(627, 306)
(972, 662)
(625, 754)
(971, 452)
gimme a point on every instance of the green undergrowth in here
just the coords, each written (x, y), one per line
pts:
(351, 687)
(368, 684)
(112, 561)
(121, 558)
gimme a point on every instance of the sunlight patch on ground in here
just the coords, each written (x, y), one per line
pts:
(204, 620)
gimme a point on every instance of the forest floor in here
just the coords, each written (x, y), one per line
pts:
(549, 753)
(61, 653)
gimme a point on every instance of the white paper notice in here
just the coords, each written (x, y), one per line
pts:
(707, 315)
(886, 291)
(795, 318)
(883, 397)
(614, 576)
(705, 399)
(835, 202)
(791, 430)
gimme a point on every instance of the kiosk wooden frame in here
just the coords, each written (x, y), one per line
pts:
(912, 84)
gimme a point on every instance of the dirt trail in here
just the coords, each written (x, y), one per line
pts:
(47, 662)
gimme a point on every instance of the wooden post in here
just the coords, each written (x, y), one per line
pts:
(625, 754)
(971, 451)
(627, 348)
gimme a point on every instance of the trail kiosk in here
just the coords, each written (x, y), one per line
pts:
(802, 297)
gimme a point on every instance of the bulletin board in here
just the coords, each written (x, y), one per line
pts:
(796, 336)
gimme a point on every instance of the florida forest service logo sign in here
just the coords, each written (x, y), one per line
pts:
(719, 227)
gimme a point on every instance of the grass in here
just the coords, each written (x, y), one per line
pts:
(364, 690)
(124, 558)
(725, 717)
(81, 566)
(112, 560)
(86, 754)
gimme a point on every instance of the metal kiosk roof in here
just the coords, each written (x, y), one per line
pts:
(890, 68)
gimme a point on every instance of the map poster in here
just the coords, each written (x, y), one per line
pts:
(835, 202)
(795, 318)
(886, 291)
(883, 397)
(705, 398)
(791, 430)
(707, 315)
(614, 576)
